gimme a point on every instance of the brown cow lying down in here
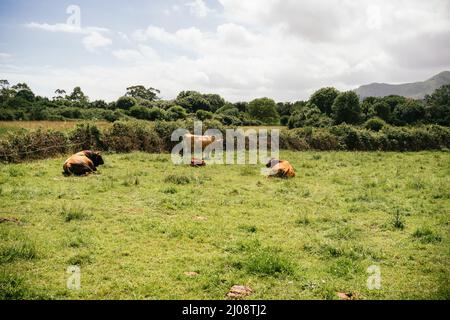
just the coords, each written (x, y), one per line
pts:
(83, 162)
(280, 169)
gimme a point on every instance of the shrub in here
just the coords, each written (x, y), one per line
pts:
(203, 115)
(284, 120)
(176, 113)
(126, 103)
(139, 112)
(374, 124)
(126, 136)
(85, 136)
(30, 145)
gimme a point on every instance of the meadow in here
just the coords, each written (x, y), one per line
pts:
(17, 126)
(143, 228)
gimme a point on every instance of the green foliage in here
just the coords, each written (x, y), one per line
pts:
(324, 99)
(140, 93)
(193, 101)
(410, 112)
(374, 124)
(382, 110)
(176, 113)
(264, 110)
(309, 116)
(346, 108)
(203, 115)
(126, 103)
(438, 106)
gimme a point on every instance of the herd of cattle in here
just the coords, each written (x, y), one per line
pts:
(87, 161)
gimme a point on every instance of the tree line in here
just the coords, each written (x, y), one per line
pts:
(325, 108)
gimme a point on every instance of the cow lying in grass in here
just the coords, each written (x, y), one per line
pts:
(82, 163)
(280, 169)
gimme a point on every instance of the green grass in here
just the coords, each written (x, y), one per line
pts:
(141, 223)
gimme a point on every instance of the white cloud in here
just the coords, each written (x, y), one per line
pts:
(93, 39)
(5, 56)
(284, 49)
(198, 8)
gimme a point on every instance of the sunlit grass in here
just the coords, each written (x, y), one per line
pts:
(141, 223)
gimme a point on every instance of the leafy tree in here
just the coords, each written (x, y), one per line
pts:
(192, 101)
(26, 94)
(60, 93)
(393, 100)
(156, 113)
(78, 97)
(99, 104)
(140, 92)
(324, 99)
(203, 115)
(126, 103)
(139, 112)
(412, 111)
(375, 124)
(438, 106)
(215, 101)
(288, 108)
(382, 110)
(241, 106)
(309, 116)
(346, 108)
(176, 112)
(21, 86)
(284, 120)
(264, 109)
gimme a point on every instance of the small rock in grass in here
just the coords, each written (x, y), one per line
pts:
(239, 291)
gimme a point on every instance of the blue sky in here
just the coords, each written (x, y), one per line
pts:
(240, 49)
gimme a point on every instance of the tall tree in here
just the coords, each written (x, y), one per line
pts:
(324, 99)
(346, 108)
(140, 92)
(264, 110)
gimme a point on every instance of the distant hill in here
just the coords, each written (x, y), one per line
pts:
(416, 90)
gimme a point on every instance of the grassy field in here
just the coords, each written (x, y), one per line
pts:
(139, 225)
(15, 126)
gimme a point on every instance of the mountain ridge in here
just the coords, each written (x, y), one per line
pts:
(415, 90)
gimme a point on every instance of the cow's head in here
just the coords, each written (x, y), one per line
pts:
(95, 157)
(272, 162)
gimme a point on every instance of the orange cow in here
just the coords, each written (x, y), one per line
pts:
(280, 169)
(83, 162)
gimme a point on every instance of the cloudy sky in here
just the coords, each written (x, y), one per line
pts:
(284, 49)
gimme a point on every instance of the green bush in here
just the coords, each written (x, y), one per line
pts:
(85, 136)
(374, 124)
(127, 136)
(126, 103)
